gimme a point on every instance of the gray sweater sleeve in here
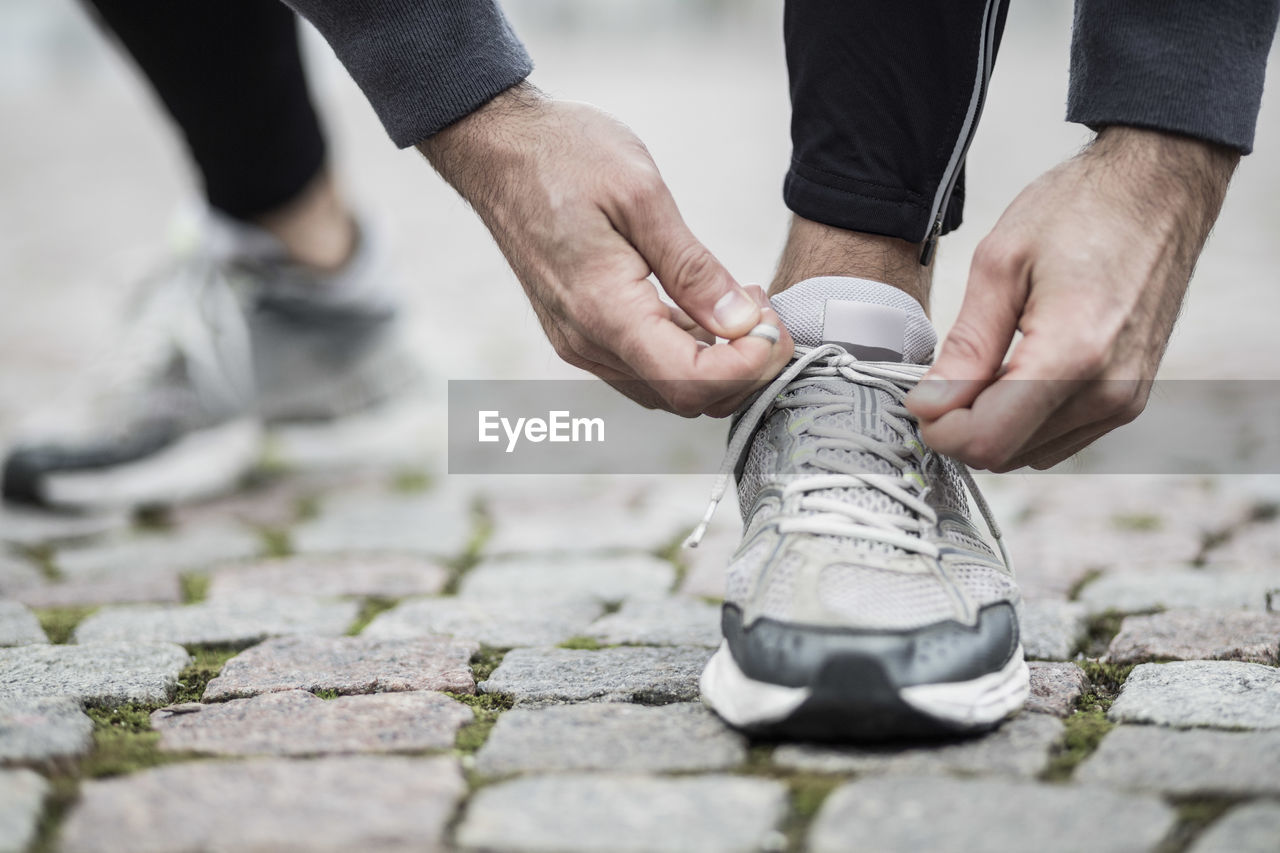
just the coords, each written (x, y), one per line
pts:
(1193, 67)
(423, 64)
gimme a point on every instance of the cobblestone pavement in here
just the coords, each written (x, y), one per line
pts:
(380, 656)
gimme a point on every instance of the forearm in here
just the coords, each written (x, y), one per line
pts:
(423, 64)
(1182, 66)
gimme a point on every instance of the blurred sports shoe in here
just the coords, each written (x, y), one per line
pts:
(862, 603)
(231, 337)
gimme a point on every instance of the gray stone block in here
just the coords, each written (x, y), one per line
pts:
(1199, 635)
(17, 575)
(168, 552)
(498, 622)
(1018, 748)
(98, 674)
(22, 794)
(346, 665)
(237, 622)
(150, 586)
(1055, 687)
(1218, 694)
(426, 524)
(22, 525)
(331, 576)
(42, 728)
(650, 676)
(294, 722)
(1051, 630)
(1191, 762)
(1251, 828)
(331, 804)
(592, 812)
(19, 626)
(607, 578)
(1172, 589)
(661, 622)
(904, 814)
(614, 737)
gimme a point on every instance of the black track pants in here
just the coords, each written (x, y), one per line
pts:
(230, 74)
(885, 97)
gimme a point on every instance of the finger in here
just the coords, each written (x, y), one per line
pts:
(1109, 402)
(1068, 444)
(686, 269)
(684, 321)
(1041, 377)
(690, 375)
(975, 347)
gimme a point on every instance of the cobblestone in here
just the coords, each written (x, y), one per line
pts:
(98, 674)
(908, 814)
(650, 676)
(231, 621)
(23, 526)
(707, 566)
(1055, 687)
(590, 812)
(346, 665)
(617, 524)
(614, 737)
(1051, 630)
(17, 574)
(1018, 748)
(172, 552)
(38, 729)
(150, 586)
(1199, 635)
(1217, 694)
(417, 525)
(295, 722)
(331, 804)
(1186, 763)
(19, 626)
(661, 622)
(1170, 589)
(498, 622)
(607, 578)
(322, 576)
(22, 794)
(1251, 828)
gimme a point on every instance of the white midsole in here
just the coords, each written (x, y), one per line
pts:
(745, 702)
(201, 464)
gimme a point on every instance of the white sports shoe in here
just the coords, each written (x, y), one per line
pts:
(862, 603)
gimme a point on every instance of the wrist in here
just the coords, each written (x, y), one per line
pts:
(485, 135)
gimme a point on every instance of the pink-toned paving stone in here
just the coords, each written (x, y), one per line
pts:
(1199, 635)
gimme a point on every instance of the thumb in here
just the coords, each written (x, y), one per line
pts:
(974, 349)
(686, 269)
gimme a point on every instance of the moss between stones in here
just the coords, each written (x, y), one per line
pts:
(411, 481)
(1100, 631)
(486, 707)
(485, 661)
(327, 695)
(275, 542)
(194, 586)
(63, 792)
(59, 623)
(206, 663)
(1106, 677)
(1087, 578)
(42, 557)
(1142, 522)
(673, 553)
(481, 530)
(1082, 733)
(306, 508)
(1195, 815)
(807, 792)
(584, 644)
(369, 610)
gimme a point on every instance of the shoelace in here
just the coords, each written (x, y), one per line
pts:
(825, 515)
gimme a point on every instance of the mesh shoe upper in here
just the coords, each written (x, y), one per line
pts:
(850, 520)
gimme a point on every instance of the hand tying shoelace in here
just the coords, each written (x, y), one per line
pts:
(908, 455)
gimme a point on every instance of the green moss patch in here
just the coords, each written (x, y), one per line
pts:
(487, 707)
(1083, 732)
(411, 481)
(369, 610)
(485, 661)
(206, 663)
(59, 623)
(194, 586)
(589, 644)
(1141, 522)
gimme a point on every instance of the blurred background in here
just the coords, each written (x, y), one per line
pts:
(91, 175)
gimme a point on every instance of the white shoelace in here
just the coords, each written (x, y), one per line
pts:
(827, 516)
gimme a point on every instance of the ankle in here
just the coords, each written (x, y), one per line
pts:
(814, 249)
(316, 227)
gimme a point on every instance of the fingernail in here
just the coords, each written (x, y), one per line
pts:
(762, 298)
(735, 309)
(932, 391)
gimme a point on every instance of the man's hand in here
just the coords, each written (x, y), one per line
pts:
(578, 208)
(1090, 263)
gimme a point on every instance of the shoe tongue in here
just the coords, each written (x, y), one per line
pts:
(873, 321)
